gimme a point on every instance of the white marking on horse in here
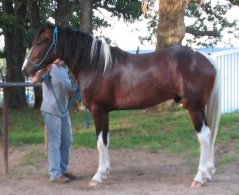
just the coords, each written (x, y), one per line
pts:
(204, 140)
(93, 48)
(26, 60)
(104, 161)
(105, 54)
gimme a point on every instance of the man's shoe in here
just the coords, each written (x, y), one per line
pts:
(70, 175)
(61, 179)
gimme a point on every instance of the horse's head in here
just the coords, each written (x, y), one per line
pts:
(43, 50)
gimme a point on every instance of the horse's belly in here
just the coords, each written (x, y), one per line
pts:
(141, 99)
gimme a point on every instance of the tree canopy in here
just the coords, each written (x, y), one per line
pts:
(208, 21)
(205, 21)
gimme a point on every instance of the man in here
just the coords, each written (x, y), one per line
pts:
(56, 88)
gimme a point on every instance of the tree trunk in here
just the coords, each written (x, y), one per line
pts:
(63, 13)
(171, 27)
(15, 48)
(86, 13)
(33, 9)
(171, 31)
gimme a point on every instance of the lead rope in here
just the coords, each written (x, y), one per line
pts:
(87, 115)
(72, 98)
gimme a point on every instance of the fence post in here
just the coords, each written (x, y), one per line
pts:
(5, 130)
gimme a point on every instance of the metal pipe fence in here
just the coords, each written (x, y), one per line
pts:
(4, 87)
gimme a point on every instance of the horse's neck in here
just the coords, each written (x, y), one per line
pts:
(69, 48)
(87, 59)
(86, 80)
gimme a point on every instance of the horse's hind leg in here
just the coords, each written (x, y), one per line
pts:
(213, 114)
(204, 136)
(102, 133)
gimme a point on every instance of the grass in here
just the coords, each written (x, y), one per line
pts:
(166, 132)
(35, 155)
(228, 159)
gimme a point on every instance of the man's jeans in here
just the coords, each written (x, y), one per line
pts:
(59, 133)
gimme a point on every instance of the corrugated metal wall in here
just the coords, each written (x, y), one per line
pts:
(228, 63)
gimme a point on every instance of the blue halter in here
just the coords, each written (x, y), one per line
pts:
(54, 43)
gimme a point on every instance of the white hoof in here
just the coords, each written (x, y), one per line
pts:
(94, 183)
(196, 184)
(208, 177)
(99, 177)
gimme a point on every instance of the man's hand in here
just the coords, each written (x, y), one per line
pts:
(58, 62)
(40, 73)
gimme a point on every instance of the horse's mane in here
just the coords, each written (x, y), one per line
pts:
(85, 52)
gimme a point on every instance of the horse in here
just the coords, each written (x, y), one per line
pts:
(112, 79)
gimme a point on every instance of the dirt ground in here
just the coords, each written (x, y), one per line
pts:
(132, 172)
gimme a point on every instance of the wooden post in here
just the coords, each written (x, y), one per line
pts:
(5, 130)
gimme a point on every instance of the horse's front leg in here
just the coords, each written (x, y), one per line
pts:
(102, 133)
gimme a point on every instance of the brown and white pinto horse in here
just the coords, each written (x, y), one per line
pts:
(112, 79)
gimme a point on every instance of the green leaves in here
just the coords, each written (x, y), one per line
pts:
(129, 9)
(207, 21)
(9, 22)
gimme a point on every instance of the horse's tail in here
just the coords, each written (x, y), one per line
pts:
(213, 109)
(213, 114)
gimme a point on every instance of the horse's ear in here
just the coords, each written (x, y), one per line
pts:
(42, 27)
(46, 25)
(45, 29)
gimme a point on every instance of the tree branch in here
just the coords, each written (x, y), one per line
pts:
(195, 32)
(106, 8)
(234, 2)
(96, 1)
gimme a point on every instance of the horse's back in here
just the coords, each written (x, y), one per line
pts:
(192, 61)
